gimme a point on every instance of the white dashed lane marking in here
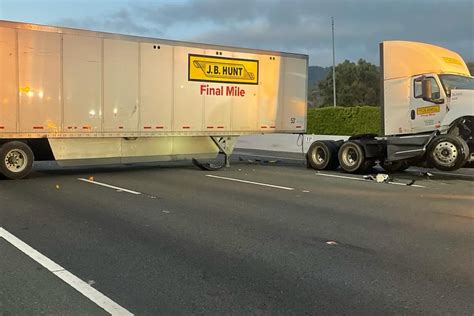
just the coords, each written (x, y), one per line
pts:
(118, 189)
(251, 182)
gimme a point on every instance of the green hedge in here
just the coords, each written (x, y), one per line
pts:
(344, 120)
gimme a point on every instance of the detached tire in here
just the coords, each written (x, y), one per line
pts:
(352, 158)
(322, 155)
(394, 166)
(447, 152)
(467, 150)
(16, 160)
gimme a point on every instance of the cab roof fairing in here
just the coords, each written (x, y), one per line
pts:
(403, 59)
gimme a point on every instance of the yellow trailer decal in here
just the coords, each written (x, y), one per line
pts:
(222, 69)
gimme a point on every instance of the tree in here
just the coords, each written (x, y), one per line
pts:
(356, 84)
(314, 96)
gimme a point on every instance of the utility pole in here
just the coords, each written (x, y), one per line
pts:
(333, 64)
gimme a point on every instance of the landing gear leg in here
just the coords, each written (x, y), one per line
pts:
(226, 147)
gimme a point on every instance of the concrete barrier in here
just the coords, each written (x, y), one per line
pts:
(282, 142)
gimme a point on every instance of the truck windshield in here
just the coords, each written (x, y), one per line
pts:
(456, 82)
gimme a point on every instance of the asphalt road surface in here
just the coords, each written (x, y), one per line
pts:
(265, 236)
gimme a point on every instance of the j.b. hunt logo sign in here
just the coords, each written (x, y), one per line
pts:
(222, 69)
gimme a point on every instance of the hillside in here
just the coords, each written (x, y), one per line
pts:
(316, 73)
(470, 65)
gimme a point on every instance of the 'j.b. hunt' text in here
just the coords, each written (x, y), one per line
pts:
(226, 70)
(231, 91)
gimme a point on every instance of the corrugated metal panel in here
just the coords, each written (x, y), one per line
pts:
(120, 86)
(82, 79)
(8, 81)
(40, 75)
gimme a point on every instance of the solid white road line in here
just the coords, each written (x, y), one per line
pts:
(452, 174)
(341, 177)
(362, 179)
(250, 182)
(404, 184)
(109, 186)
(85, 289)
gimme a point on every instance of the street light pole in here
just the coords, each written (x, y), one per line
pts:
(333, 64)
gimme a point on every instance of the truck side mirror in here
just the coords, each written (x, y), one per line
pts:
(426, 89)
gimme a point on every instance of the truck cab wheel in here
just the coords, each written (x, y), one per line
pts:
(16, 160)
(352, 157)
(322, 155)
(447, 152)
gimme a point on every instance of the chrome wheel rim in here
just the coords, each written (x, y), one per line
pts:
(445, 153)
(350, 156)
(16, 160)
(319, 155)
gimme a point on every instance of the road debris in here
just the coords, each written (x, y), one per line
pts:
(332, 243)
(260, 161)
(385, 178)
(208, 166)
(379, 178)
(425, 174)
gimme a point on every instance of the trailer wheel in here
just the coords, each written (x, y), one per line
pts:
(322, 155)
(447, 152)
(394, 166)
(16, 160)
(352, 158)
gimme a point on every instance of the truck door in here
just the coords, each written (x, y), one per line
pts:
(426, 115)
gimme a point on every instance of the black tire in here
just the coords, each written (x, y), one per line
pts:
(352, 158)
(394, 166)
(447, 152)
(467, 151)
(367, 165)
(322, 155)
(16, 160)
(463, 128)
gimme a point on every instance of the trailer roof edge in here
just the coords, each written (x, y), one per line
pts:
(84, 32)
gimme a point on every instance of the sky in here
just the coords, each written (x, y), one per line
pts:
(298, 26)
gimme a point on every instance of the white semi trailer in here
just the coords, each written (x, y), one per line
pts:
(427, 115)
(83, 97)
